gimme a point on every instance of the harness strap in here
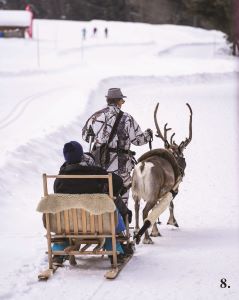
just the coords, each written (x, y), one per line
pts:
(115, 126)
(122, 151)
(174, 193)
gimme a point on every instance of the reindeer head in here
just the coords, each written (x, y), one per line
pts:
(177, 150)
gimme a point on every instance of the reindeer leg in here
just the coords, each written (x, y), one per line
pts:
(172, 220)
(147, 208)
(136, 207)
(155, 232)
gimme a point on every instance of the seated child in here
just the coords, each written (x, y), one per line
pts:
(79, 163)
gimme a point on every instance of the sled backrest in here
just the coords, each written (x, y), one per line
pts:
(79, 219)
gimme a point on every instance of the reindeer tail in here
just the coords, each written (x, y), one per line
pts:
(137, 181)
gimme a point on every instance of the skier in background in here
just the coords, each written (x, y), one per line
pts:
(94, 31)
(106, 32)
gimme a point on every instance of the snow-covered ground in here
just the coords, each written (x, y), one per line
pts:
(51, 84)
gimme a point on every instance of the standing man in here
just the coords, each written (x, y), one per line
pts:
(126, 132)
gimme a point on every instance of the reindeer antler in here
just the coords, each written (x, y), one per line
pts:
(165, 131)
(188, 140)
(171, 139)
(185, 143)
(159, 133)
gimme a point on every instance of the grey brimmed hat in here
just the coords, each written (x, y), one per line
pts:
(115, 93)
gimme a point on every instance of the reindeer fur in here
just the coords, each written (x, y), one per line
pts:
(158, 172)
(153, 178)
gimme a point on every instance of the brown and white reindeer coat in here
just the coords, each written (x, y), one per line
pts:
(156, 179)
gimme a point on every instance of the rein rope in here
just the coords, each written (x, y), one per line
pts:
(150, 142)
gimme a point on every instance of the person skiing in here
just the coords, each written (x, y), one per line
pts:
(94, 31)
(113, 132)
(106, 32)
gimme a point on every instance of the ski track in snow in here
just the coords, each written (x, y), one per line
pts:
(18, 110)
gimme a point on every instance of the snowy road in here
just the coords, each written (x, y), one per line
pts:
(43, 111)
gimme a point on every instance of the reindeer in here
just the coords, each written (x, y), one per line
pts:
(156, 179)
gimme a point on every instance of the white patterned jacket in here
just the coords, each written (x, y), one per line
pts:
(128, 132)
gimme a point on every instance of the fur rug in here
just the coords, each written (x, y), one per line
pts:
(96, 204)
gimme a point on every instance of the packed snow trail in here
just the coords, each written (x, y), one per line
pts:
(186, 262)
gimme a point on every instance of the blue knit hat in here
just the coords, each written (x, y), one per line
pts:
(73, 152)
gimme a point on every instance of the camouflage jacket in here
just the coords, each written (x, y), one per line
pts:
(128, 132)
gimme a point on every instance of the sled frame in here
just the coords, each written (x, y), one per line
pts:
(84, 236)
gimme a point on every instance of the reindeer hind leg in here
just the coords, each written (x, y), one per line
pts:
(172, 220)
(155, 232)
(136, 207)
(147, 208)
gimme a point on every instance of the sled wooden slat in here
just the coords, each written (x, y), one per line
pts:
(66, 219)
(75, 223)
(81, 236)
(92, 223)
(49, 241)
(113, 240)
(100, 224)
(80, 176)
(58, 222)
(71, 227)
(83, 215)
(45, 189)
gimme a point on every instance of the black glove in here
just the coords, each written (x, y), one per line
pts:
(129, 213)
(150, 132)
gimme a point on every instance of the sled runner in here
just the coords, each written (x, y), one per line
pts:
(114, 272)
(83, 221)
(44, 275)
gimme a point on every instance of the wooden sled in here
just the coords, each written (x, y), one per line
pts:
(73, 218)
